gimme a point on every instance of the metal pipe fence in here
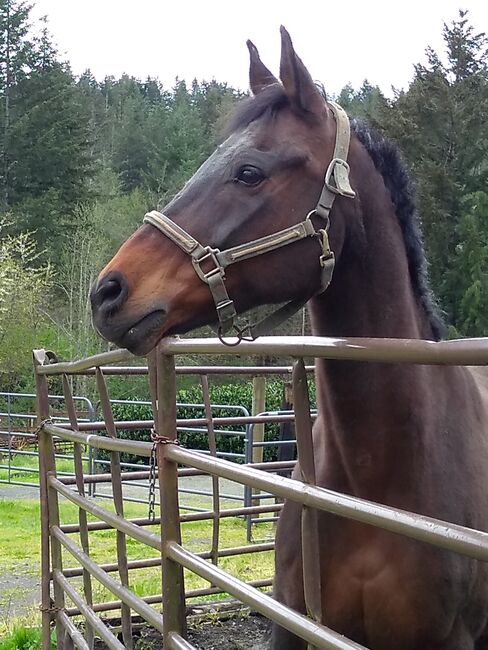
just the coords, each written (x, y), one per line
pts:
(168, 461)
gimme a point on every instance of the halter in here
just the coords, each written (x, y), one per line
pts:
(210, 263)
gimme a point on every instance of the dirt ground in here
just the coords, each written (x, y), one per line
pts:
(248, 632)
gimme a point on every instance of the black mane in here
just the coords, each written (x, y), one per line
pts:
(389, 162)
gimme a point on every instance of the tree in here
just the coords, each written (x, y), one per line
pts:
(16, 53)
(441, 123)
(51, 149)
(24, 296)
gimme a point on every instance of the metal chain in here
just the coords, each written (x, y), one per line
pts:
(40, 427)
(152, 484)
(161, 440)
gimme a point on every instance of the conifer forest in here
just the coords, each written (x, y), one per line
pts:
(82, 159)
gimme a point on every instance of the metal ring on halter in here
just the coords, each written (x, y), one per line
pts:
(239, 334)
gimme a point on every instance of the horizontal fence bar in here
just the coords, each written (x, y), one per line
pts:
(74, 633)
(154, 600)
(125, 595)
(313, 633)
(427, 529)
(177, 642)
(202, 515)
(446, 535)
(117, 522)
(466, 352)
(197, 370)
(183, 423)
(264, 547)
(98, 626)
(456, 352)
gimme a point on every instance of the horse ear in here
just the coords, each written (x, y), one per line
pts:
(259, 75)
(296, 79)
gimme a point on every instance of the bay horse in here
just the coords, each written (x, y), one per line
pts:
(251, 228)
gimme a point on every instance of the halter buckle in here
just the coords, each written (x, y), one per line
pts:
(337, 178)
(209, 254)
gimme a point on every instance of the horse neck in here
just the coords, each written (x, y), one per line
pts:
(366, 407)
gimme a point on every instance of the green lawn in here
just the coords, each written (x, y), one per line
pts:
(31, 463)
(20, 548)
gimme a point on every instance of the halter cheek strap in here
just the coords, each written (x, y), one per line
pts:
(210, 263)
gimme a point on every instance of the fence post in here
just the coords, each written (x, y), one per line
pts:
(212, 445)
(258, 406)
(173, 586)
(126, 622)
(312, 573)
(49, 510)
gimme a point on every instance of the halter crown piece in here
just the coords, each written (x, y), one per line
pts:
(210, 263)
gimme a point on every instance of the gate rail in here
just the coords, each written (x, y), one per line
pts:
(174, 557)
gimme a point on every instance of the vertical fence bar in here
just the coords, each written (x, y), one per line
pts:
(173, 586)
(82, 518)
(45, 465)
(310, 534)
(258, 406)
(119, 505)
(212, 445)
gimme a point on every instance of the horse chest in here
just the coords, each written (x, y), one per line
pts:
(379, 589)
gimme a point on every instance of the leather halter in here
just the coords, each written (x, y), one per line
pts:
(210, 263)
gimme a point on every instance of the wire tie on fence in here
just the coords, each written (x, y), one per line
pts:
(40, 427)
(162, 440)
(52, 609)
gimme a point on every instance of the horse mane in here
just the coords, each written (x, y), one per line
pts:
(389, 162)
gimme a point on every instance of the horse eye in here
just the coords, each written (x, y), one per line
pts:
(249, 175)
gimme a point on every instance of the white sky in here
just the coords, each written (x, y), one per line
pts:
(339, 42)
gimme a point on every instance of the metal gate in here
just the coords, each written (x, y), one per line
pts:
(171, 461)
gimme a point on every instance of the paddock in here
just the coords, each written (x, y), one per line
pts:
(63, 604)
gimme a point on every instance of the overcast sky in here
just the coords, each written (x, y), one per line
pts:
(340, 42)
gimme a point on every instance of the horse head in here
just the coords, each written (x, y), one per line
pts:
(249, 228)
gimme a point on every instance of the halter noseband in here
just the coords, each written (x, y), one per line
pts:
(210, 263)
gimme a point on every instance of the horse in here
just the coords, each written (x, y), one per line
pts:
(257, 225)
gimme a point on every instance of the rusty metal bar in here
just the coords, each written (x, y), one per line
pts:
(271, 466)
(115, 521)
(156, 561)
(82, 519)
(95, 361)
(45, 465)
(74, 633)
(181, 422)
(173, 585)
(124, 593)
(212, 445)
(453, 537)
(93, 621)
(154, 600)
(464, 352)
(185, 518)
(118, 502)
(177, 642)
(311, 567)
(312, 632)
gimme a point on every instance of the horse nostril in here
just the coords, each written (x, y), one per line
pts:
(109, 294)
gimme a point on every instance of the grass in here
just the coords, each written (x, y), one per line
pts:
(31, 463)
(20, 550)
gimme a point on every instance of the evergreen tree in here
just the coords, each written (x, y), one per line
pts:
(441, 123)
